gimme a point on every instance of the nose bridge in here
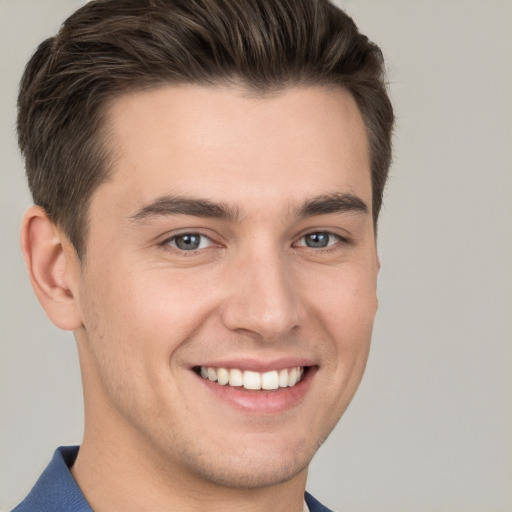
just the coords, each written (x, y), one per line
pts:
(262, 298)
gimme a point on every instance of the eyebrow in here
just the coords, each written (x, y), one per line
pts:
(332, 203)
(178, 205)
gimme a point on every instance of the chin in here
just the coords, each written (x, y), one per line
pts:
(253, 466)
(253, 477)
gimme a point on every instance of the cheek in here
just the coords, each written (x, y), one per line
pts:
(129, 340)
(149, 315)
(346, 311)
(347, 302)
(351, 313)
(346, 314)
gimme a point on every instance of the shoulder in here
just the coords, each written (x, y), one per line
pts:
(56, 489)
(314, 505)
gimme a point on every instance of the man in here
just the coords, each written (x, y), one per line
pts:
(207, 177)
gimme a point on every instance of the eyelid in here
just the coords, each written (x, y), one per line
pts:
(166, 242)
(339, 238)
(300, 241)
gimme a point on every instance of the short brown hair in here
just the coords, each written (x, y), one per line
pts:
(109, 47)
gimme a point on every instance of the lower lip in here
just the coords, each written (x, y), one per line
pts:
(262, 402)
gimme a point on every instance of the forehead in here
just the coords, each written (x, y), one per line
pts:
(228, 145)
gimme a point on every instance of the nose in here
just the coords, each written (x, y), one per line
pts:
(262, 300)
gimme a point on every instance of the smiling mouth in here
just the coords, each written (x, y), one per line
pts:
(251, 380)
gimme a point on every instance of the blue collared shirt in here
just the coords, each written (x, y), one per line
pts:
(57, 491)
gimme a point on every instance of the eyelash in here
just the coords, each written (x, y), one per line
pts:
(338, 239)
(330, 246)
(166, 243)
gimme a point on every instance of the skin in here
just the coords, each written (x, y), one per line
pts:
(145, 312)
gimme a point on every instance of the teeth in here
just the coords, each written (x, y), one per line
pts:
(287, 377)
(283, 378)
(292, 376)
(252, 380)
(269, 380)
(236, 378)
(222, 376)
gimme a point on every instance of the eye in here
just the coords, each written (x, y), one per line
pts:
(189, 241)
(318, 240)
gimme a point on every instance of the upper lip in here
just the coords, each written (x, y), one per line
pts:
(258, 365)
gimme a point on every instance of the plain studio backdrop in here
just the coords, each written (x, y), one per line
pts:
(431, 426)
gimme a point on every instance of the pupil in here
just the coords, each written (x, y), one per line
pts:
(317, 240)
(188, 242)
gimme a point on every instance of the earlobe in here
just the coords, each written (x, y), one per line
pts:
(52, 267)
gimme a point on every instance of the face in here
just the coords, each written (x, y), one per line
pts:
(229, 287)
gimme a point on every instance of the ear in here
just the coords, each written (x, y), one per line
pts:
(377, 267)
(53, 268)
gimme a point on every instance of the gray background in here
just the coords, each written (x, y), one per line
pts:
(431, 426)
